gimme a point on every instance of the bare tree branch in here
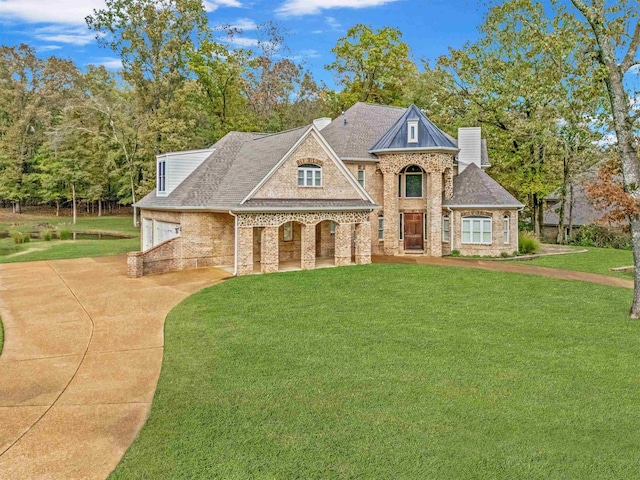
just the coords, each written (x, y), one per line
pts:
(628, 60)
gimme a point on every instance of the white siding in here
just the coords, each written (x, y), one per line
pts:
(180, 165)
(147, 234)
(470, 145)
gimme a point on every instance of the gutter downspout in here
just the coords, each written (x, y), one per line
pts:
(235, 246)
(451, 224)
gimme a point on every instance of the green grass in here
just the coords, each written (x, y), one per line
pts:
(596, 260)
(395, 372)
(58, 249)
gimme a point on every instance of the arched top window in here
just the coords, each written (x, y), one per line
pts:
(410, 182)
(309, 175)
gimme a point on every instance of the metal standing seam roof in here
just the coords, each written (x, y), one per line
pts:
(473, 187)
(429, 136)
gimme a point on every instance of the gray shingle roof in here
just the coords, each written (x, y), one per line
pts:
(237, 165)
(365, 124)
(429, 136)
(473, 187)
(584, 211)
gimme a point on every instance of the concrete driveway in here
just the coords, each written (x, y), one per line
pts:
(82, 356)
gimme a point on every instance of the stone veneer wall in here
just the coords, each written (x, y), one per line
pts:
(207, 239)
(497, 246)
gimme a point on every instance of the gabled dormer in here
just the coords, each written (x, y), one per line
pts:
(173, 168)
(414, 132)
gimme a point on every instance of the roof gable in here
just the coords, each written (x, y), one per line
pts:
(474, 188)
(429, 136)
(281, 181)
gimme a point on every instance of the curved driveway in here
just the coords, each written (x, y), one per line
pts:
(81, 360)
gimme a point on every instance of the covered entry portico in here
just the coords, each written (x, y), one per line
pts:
(352, 232)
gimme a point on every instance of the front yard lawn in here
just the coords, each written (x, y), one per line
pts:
(596, 260)
(395, 372)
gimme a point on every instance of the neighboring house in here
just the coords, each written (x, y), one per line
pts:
(579, 210)
(376, 180)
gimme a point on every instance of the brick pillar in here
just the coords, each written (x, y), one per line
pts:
(363, 243)
(245, 250)
(343, 244)
(135, 264)
(308, 247)
(391, 232)
(434, 213)
(269, 250)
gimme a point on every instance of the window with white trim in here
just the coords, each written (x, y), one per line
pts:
(309, 175)
(162, 176)
(410, 181)
(288, 232)
(412, 131)
(380, 227)
(505, 229)
(361, 176)
(445, 229)
(401, 221)
(476, 229)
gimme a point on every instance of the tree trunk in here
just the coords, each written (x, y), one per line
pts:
(73, 202)
(537, 231)
(99, 207)
(571, 203)
(560, 238)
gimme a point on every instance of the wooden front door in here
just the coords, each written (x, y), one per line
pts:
(413, 231)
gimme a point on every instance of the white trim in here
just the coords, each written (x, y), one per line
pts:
(360, 159)
(364, 177)
(451, 150)
(315, 169)
(484, 206)
(482, 219)
(332, 156)
(380, 239)
(448, 237)
(414, 138)
(306, 209)
(506, 223)
(187, 152)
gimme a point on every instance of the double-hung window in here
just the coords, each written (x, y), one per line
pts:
(505, 229)
(361, 176)
(476, 229)
(309, 175)
(380, 227)
(445, 229)
(162, 176)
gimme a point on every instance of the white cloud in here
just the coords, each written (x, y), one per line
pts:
(61, 34)
(211, 5)
(66, 12)
(48, 48)
(333, 23)
(312, 7)
(111, 63)
(635, 69)
(70, 12)
(240, 41)
(304, 55)
(244, 24)
(317, 32)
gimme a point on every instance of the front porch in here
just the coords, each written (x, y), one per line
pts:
(272, 242)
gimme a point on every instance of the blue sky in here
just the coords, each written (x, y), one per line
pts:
(56, 27)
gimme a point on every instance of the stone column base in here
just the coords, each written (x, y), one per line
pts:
(343, 261)
(268, 267)
(135, 264)
(363, 259)
(308, 264)
(244, 270)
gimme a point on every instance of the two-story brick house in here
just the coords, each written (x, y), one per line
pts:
(376, 180)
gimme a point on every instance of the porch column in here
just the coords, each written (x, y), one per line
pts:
(308, 247)
(343, 244)
(363, 243)
(269, 249)
(434, 213)
(390, 213)
(245, 251)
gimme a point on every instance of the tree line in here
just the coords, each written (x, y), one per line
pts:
(537, 80)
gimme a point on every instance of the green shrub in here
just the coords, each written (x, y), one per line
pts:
(505, 255)
(47, 236)
(26, 238)
(455, 253)
(603, 237)
(18, 237)
(65, 235)
(527, 243)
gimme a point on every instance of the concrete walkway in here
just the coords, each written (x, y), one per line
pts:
(82, 356)
(509, 268)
